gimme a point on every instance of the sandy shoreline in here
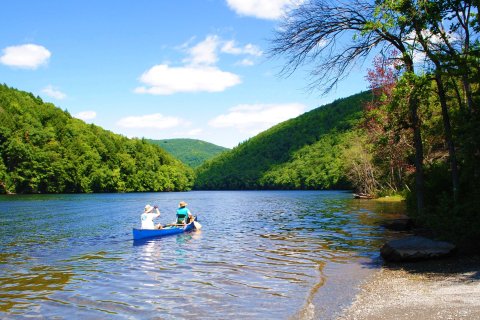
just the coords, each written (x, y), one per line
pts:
(438, 289)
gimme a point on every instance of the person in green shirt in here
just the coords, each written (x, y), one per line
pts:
(184, 215)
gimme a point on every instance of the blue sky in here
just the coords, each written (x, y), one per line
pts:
(158, 69)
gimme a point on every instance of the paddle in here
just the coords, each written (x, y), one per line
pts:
(197, 225)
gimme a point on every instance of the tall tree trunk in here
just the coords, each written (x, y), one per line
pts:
(443, 103)
(448, 133)
(417, 141)
(468, 92)
(463, 16)
(417, 137)
(458, 95)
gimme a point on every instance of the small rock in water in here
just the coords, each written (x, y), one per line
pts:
(401, 224)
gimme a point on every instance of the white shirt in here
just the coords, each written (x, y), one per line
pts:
(147, 220)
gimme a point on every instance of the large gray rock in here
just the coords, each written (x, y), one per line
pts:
(415, 248)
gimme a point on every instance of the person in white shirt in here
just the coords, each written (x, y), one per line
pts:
(147, 217)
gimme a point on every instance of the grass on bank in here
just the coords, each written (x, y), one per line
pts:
(394, 198)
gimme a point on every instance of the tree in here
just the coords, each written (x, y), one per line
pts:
(245, 166)
(44, 150)
(442, 31)
(420, 17)
(337, 36)
(385, 125)
(360, 168)
(5, 182)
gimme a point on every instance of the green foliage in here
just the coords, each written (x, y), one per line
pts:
(247, 166)
(190, 151)
(359, 165)
(448, 217)
(317, 166)
(423, 136)
(458, 223)
(44, 150)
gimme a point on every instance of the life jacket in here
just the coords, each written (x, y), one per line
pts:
(182, 214)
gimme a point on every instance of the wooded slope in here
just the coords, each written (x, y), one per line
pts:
(247, 166)
(192, 152)
(45, 150)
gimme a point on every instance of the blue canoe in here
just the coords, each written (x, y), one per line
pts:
(166, 231)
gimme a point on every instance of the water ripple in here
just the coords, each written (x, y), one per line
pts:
(259, 254)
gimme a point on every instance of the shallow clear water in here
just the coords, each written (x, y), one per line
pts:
(259, 255)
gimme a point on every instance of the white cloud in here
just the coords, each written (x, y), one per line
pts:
(229, 47)
(434, 42)
(252, 50)
(204, 53)
(194, 132)
(151, 121)
(255, 118)
(54, 92)
(28, 56)
(435, 39)
(263, 9)
(246, 62)
(249, 49)
(86, 115)
(164, 80)
(199, 72)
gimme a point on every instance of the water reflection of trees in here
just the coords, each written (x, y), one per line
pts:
(23, 288)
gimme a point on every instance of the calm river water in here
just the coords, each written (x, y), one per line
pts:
(259, 255)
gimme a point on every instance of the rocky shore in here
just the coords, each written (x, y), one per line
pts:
(434, 289)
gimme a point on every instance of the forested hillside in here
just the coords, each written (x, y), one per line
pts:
(190, 151)
(45, 150)
(265, 161)
(419, 135)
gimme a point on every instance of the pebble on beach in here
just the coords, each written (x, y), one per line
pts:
(437, 289)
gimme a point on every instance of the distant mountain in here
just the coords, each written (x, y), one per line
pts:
(300, 153)
(192, 152)
(43, 149)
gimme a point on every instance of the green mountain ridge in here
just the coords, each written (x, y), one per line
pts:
(192, 152)
(43, 149)
(256, 163)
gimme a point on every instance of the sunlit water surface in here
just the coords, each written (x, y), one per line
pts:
(259, 255)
